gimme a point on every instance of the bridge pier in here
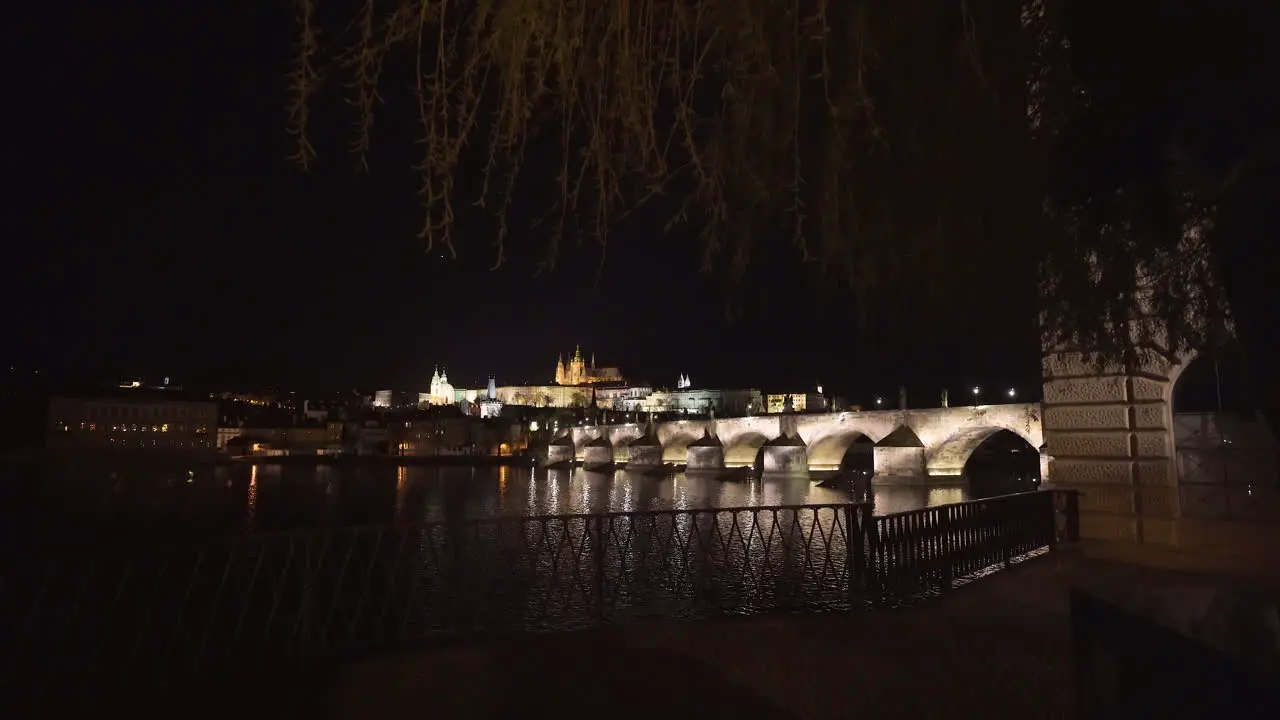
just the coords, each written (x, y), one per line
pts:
(644, 452)
(899, 461)
(786, 454)
(706, 453)
(598, 454)
(562, 450)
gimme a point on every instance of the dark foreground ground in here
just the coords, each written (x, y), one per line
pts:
(998, 647)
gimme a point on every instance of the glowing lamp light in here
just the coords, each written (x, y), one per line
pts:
(976, 389)
(533, 426)
(1013, 393)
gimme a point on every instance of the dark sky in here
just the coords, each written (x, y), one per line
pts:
(160, 230)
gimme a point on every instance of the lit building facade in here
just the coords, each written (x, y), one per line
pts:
(132, 423)
(622, 397)
(797, 402)
(724, 403)
(554, 396)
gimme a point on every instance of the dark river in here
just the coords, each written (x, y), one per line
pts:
(78, 504)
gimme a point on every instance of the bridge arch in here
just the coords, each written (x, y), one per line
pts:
(744, 449)
(951, 455)
(675, 449)
(829, 452)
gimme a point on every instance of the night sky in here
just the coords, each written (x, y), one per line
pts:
(160, 230)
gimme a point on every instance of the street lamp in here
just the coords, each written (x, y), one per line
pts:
(1013, 393)
(879, 401)
(976, 392)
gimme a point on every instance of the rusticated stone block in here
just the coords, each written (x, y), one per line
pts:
(1146, 331)
(1107, 498)
(1108, 526)
(1086, 390)
(1156, 473)
(1158, 365)
(1152, 444)
(1146, 389)
(1158, 502)
(1074, 364)
(1151, 417)
(1076, 417)
(1114, 444)
(1073, 471)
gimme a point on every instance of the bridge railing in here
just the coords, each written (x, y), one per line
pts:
(128, 621)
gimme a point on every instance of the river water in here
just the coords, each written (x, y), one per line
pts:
(76, 502)
(189, 563)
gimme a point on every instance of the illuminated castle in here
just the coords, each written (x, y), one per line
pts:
(578, 372)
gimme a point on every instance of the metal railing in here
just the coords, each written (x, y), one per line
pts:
(111, 622)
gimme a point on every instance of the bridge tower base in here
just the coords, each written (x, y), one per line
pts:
(1109, 434)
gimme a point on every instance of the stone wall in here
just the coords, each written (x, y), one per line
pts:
(1110, 435)
(899, 461)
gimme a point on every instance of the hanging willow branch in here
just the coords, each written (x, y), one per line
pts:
(885, 140)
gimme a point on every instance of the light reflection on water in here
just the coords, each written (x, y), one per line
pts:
(235, 497)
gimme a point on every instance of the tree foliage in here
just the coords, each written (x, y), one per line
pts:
(894, 143)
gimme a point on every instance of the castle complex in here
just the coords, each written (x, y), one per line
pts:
(578, 384)
(577, 372)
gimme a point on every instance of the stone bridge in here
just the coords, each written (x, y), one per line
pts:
(902, 442)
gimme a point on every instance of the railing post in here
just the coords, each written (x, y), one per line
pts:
(945, 547)
(855, 553)
(599, 522)
(1005, 525)
(869, 548)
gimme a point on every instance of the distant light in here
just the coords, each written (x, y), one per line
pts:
(1013, 393)
(879, 401)
(976, 389)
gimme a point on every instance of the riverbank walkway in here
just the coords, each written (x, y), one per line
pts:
(997, 647)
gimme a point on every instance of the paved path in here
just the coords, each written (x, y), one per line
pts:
(998, 647)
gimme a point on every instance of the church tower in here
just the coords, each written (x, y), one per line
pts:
(560, 374)
(576, 370)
